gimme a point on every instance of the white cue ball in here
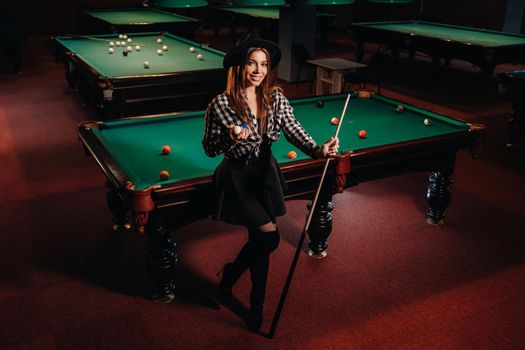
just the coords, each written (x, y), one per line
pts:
(165, 47)
(199, 56)
(159, 41)
(426, 121)
(237, 130)
(146, 64)
(129, 40)
(111, 43)
(159, 51)
(129, 48)
(111, 50)
(137, 47)
(192, 49)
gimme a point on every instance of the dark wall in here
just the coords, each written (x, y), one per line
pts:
(488, 14)
(478, 13)
(58, 16)
(55, 16)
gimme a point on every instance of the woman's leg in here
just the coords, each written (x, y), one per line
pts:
(267, 238)
(261, 242)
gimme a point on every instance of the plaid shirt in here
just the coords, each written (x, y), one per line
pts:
(217, 135)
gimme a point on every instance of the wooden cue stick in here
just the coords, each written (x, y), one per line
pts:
(303, 235)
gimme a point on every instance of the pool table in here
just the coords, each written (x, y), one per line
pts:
(128, 151)
(121, 85)
(264, 18)
(135, 20)
(484, 48)
(516, 124)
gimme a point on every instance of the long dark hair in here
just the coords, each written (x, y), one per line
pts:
(236, 85)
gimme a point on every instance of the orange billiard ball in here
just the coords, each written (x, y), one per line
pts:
(166, 150)
(334, 121)
(292, 154)
(164, 175)
(362, 134)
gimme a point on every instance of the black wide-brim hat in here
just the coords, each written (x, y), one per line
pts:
(237, 55)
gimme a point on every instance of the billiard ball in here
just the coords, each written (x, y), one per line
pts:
(129, 40)
(159, 51)
(120, 36)
(129, 49)
(124, 36)
(399, 109)
(426, 122)
(111, 50)
(111, 43)
(334, 121)
(159, 41)
(146, 64)
(137, 47)
(125, 52)
(237, 130)
(244, 126)
(165, 47)
(192, 49)
(199, 56)
(166, 150)
(164, 175)
(292, 154)
(364, 94)
(362, 134)
(117, 43)
(320, 103)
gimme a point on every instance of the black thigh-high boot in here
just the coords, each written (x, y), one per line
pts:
(247, 256)
(267, 242)
(231, 272)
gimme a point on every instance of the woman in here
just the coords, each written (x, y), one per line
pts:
(242, 123)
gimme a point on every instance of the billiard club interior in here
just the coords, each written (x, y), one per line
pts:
(389, 280)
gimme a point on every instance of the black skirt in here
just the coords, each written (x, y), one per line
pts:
(249, 192)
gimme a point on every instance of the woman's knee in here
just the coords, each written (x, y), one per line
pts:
(268, 241)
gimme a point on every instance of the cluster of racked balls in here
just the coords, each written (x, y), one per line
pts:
(127, 48)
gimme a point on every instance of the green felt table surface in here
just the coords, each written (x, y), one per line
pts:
(136, 143)
(94, 51)
(136, 16)
(467, 35)
(264, 12)
(516, 74)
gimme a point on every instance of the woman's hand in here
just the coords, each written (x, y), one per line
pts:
(330, 147)
(242, 135)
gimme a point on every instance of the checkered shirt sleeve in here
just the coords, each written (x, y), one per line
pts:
(292, 129)
(219, 116)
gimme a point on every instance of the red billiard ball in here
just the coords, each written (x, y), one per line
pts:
(166, 150)
(292, 154)
(361, 134)
(164, 175)
(334, 121)
(399, 109)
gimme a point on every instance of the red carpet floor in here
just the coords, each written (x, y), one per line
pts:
(390, 281)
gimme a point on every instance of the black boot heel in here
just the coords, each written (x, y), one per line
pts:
(255, 318)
